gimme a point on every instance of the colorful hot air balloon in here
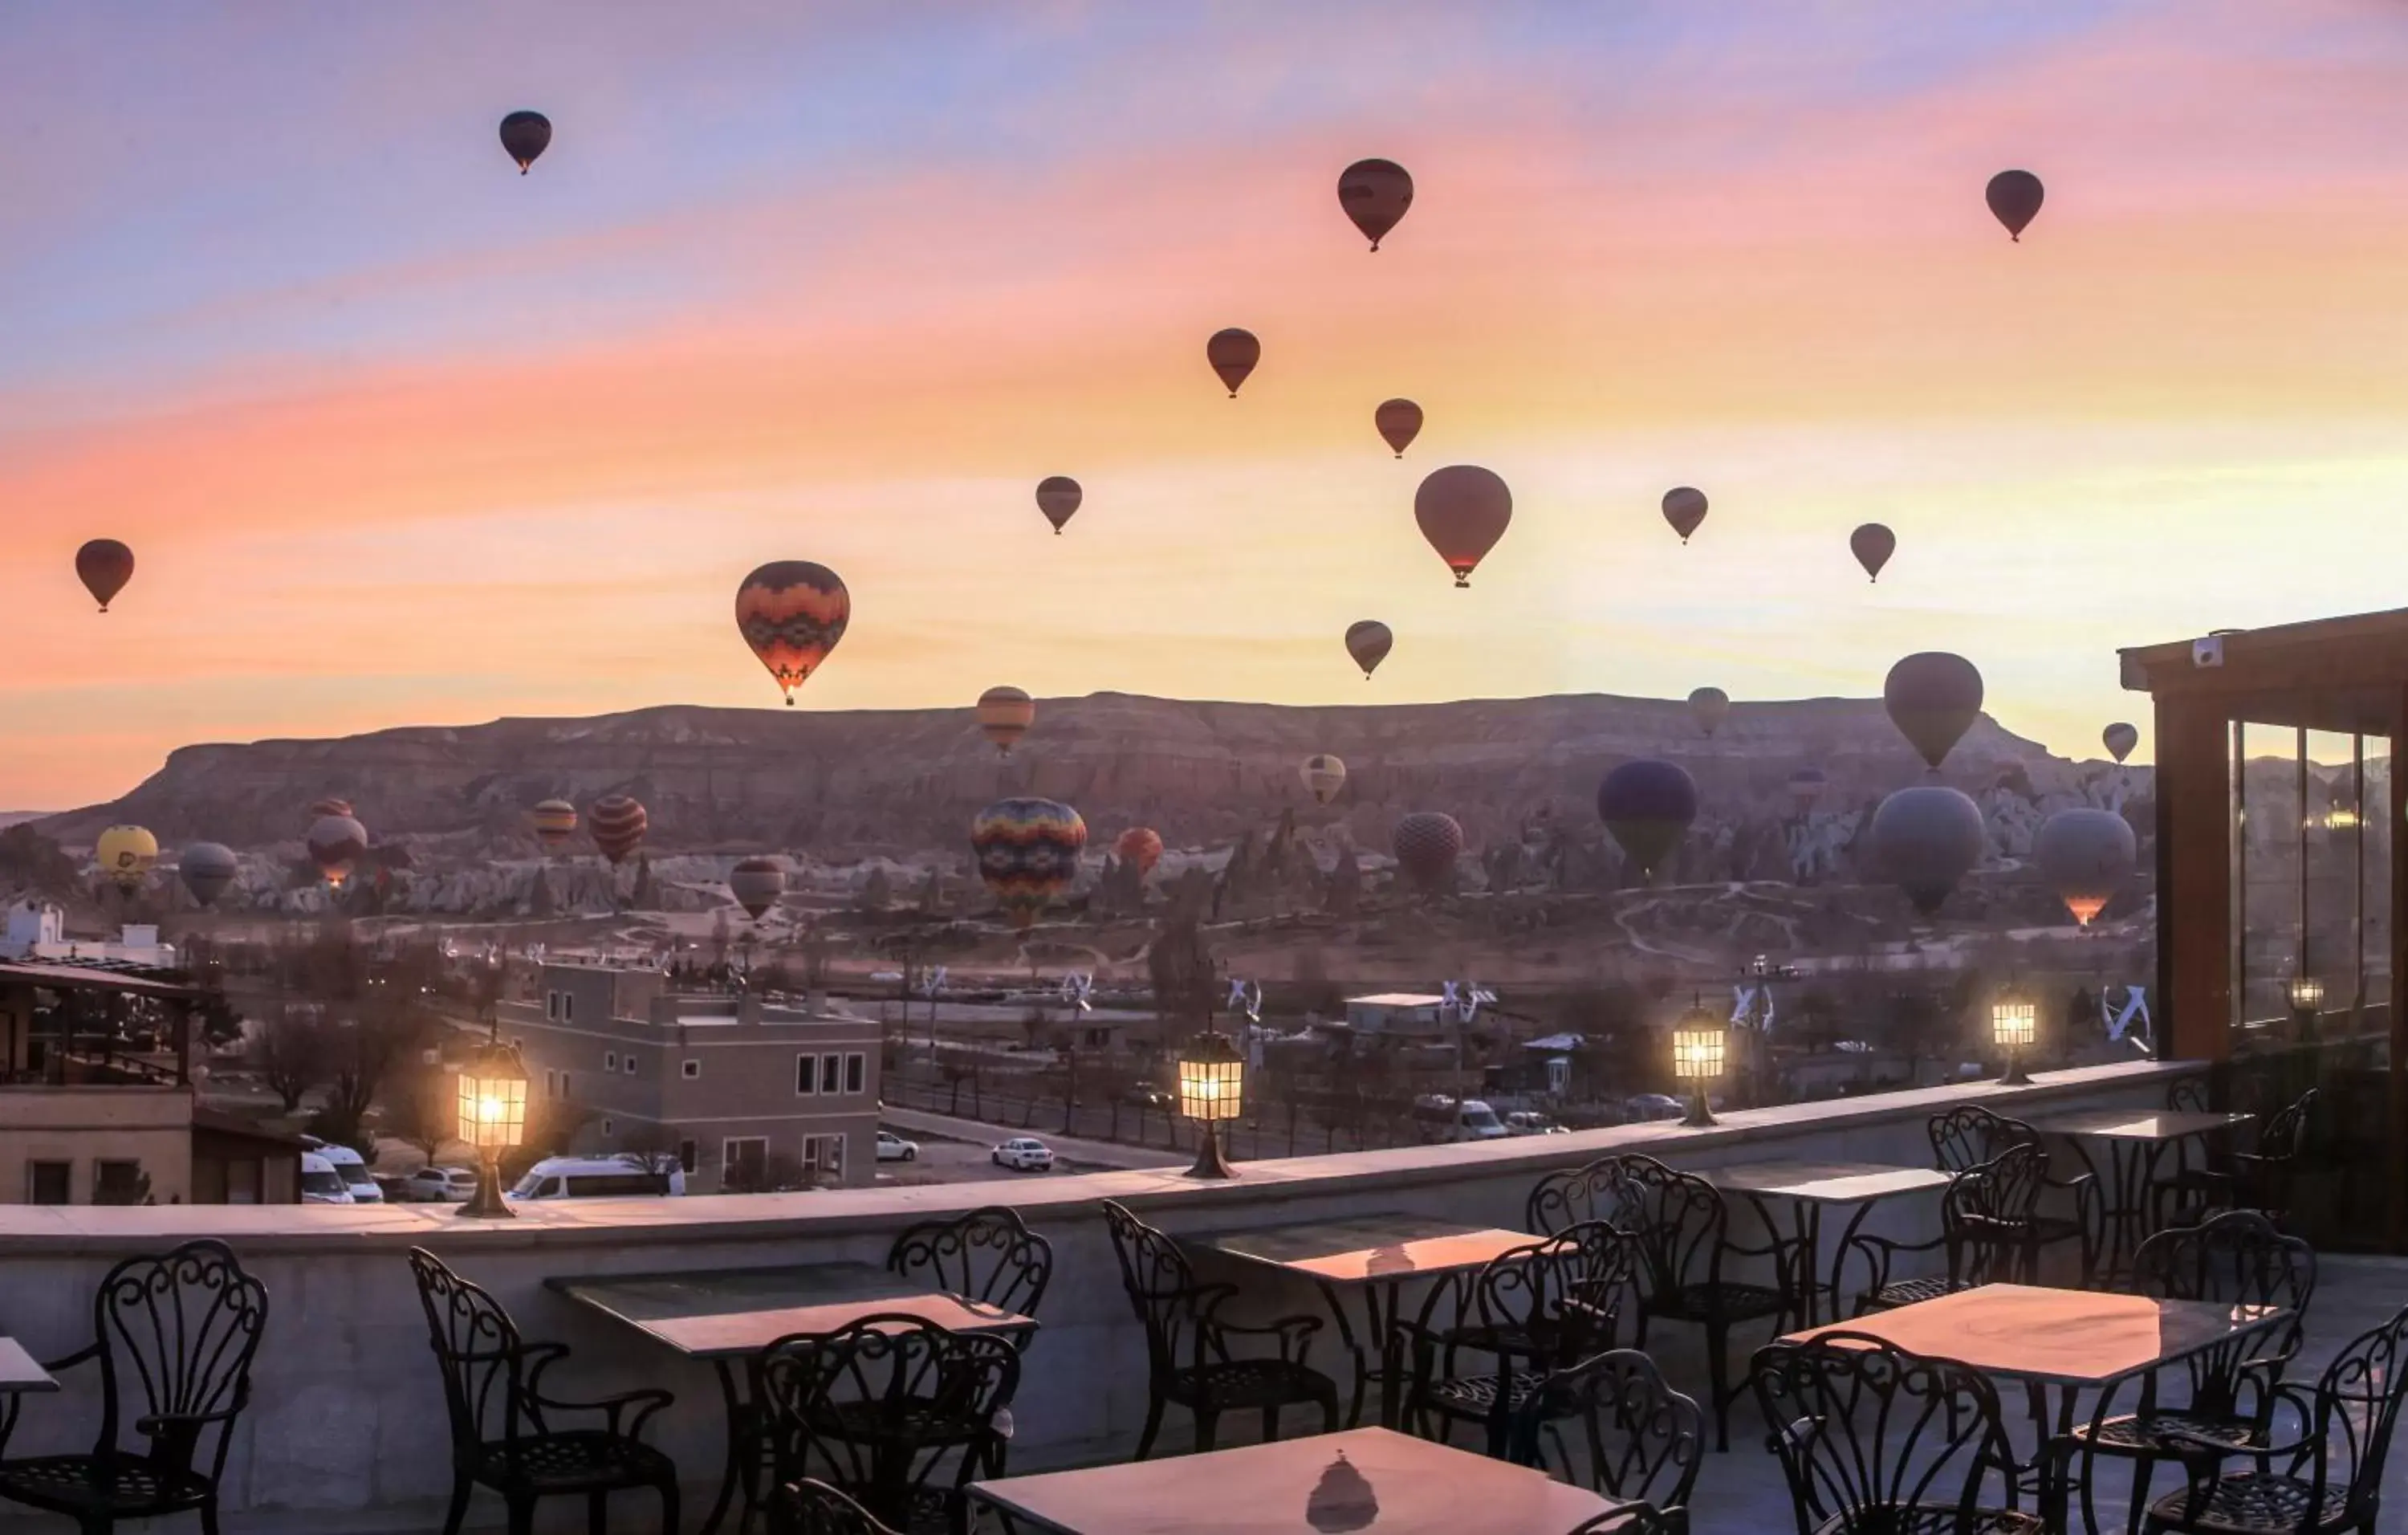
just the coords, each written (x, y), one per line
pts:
(1369, 641)
(758, 883)
(1057, 497)
(207, 870)
(335, 844)
(617, 824)
(554, 822)
(1425, 844)
(1805, 787)
(525, 135)
(2015, 198)
(1233, 354)
(126, 854)
(104, 566)
(320, 809)
(1872, 544)
(1399, 421)
(1324, 776)
(2085, 855)
(1003, 715)
(1142, 846)
(1925, 838)
(1684, 508)
(1933, 698)
(1647, 805)
(2120, 738)
(1710, 706)
(1375, 194)
(1463, 510)
(1027, 854)
(793, 612)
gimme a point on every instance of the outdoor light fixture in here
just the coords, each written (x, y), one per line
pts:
(2340, 818)
(1211, 1088)
(2015, 1024)
(2307, 994)
(1699, 1041)
(493, 1119)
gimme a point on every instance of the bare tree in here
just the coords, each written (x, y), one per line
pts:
(424, 1112)
(292, 1054)
(651, 1146)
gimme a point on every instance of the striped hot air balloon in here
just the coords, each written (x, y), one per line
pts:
(1324, 776)
(1142, 846)
(1426, 844)
(1003, 715)
(553, 822)
(793, 612)
(617, 824)
(1027, 854)
(320, 810)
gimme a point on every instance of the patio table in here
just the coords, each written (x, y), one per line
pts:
(19, 1374)
(1808, 1188)
(2136, 1142)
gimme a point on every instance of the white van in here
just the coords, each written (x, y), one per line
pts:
(320, 1184)
(353, 1169)
(594, 1178)
(1443, 1119)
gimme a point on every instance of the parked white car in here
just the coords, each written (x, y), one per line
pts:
(1653, 1106)
(894, 1148)
(594, 1178)
(440, 1185)
(1024, 1153)
(320, 1184)
(1531, 1122)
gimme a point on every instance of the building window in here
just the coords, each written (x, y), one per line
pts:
(568, 1006)
(807, 1075)
(742, 1160)
(609, 1060)
(49, 1183)
(628, 1061)
(551, 1084)
(831, 1073)
(116, 1182)
(856, 1068)
(686, 1151)
(689, 1069)
(552, 1004)
(563, 1085)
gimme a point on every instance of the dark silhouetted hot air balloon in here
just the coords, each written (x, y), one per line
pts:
(104, 566)
(1057, 497)
(1324, 776)
(207, 868)
(1233, 354)
(1375, 194)
(1463, 510)
(525, 135)
(617, 824)
(1684, 508)
(554, 822)
(126, 854)
(1710, 707)
(2085, 855)
(1806, 786)
(1928, 837)
(1647, 805)
(1027, 854)
(1425, 844)
(1872, 544)
(1343, 1501)
(320, 809)
(1003, 715)
(756, 884)
(1369, 641)
(1933, 698)
(1399, 421)
(793, 612)
(2120, 739)
(2015, 198)
(1142, 846)
(335, 844)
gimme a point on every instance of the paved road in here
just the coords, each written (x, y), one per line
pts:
(918, 1125)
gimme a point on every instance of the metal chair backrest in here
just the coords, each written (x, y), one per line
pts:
(2284, 1135)
(1637, 1519)
(2187, 1095)
(1162, 1288)
(477, 1348)
(810, 1507)
(988, 1254)
(1987, 1216)
(1969, 1135)
(1678, 1220)
(2354, 1412)
(1569, 1196)
(176, 1334)
(1547, 1303)
(1639, 1438)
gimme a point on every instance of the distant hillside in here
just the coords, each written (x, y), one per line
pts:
(11, 818)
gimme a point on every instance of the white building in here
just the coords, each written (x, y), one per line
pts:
(1400, 1013)
(37, 930)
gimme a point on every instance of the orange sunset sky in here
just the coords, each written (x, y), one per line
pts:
(400, 437)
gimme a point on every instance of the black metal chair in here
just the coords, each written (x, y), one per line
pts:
(1636, 1519)
(1189, 1359)
(1874, 1440)
(2258, 1179)
(1527, 1314)
(173, 1336)
(814, 1508)
(988, 1254)
(1986, 1237)
(879, 1407)
(1682, 1228)
(2237, 1259)
(502, 1433)
(1615, 1417)
(1568, 1196)
(2333, 1482)
(1969, 1135)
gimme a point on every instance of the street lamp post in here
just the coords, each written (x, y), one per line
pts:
(1211, 1089)
(2015, 1024)
(493, 1119)
(1700, 1045)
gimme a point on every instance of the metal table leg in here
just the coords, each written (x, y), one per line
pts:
(747, 1444)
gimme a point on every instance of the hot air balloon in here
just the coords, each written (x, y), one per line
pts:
(1710, 706)
(1684, 508)
(126, 854)
(1324, 776)
(1343, 1501)
(525, 135)
(104, 566)
(1872, 544)
(335, 844)
(554, 822)
(1806, 786)
(1142, 846)
(617, 824)
(1003, 715)
(1027, 854)
(1375, 194)
(207, 868)
(793, 612)
(2120, 739)
(756, 884)
(1233, 354)
(2085, 855)
(1925, 838)
(1647, 805)
(1463, 510)
(320, 809)
(1399, 421)
(1369, 641)
(1932, 697)
(2015, 198)
(1425, 844)
(1057, 497)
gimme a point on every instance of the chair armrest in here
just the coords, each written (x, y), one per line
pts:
(83, 1355)
(1291, 1331)
(614, 1409)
